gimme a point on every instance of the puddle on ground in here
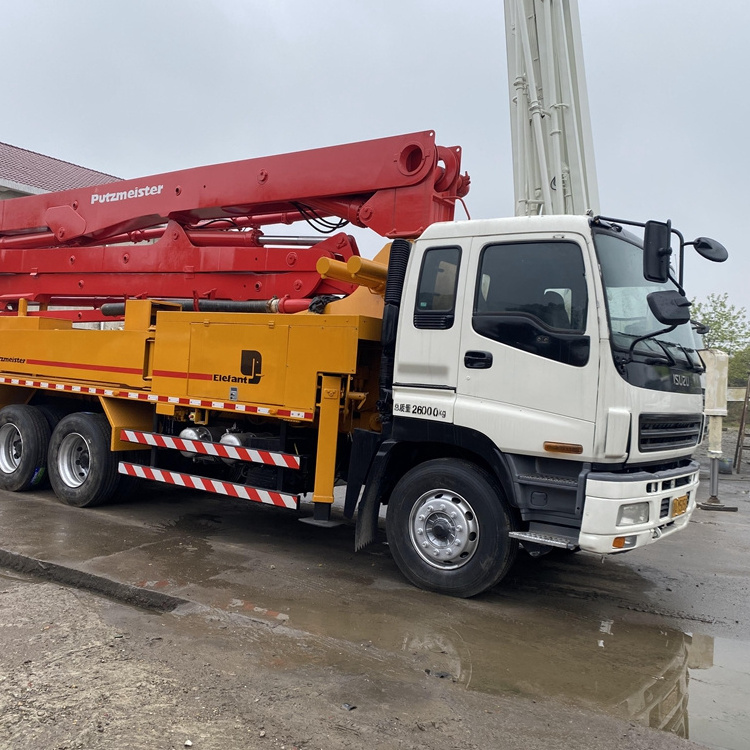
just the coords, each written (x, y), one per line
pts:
(719, 701)
(692, 685)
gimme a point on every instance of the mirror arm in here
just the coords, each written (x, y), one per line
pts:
(609, 219)
(678, 283)
(682, 260)
(700, 328)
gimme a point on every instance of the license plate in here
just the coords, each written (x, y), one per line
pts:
(679, 505)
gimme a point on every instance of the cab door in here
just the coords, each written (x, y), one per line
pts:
(529, 349)
(429, 332)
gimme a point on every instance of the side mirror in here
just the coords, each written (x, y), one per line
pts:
(657, 248)
(669, 307)
(710, 249)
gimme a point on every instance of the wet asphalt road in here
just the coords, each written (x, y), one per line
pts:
(660, 635)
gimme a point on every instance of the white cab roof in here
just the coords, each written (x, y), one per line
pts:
(511, 225)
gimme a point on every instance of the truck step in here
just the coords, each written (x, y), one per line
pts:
(207, 448)
(311, 521)
(551, 540)
(192, 481)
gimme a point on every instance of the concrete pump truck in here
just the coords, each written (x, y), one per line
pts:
(525, 381)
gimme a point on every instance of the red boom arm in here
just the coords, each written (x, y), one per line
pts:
(69, 247)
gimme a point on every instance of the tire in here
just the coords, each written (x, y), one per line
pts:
(53, 414)
(24, 438)
(447, 525)
(82, 468)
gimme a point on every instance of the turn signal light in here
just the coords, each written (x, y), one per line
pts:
(563, 447)
(623, 542)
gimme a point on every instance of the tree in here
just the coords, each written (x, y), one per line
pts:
(739, 367)
(729, 328)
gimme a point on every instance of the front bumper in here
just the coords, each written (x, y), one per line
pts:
(666, 493)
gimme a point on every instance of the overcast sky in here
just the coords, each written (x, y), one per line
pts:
(139, 87)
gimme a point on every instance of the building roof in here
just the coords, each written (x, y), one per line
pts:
(28, 171)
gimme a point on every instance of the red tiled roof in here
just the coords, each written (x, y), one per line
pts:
(35, 170)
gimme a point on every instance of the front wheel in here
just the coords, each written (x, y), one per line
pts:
(448, 527)
(82, 468)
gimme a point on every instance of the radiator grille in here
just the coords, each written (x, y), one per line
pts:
(660, 432)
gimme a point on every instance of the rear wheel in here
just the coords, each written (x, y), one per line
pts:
(82, 468)
(448, 525)
(52, 413)
(24, 437)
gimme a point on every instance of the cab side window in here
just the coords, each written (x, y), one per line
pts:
(435, 306)
(532, 296)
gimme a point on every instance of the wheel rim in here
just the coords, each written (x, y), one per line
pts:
(11, 448)
(73, 460)
(444, 529)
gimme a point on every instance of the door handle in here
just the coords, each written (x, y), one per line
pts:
(476, 360)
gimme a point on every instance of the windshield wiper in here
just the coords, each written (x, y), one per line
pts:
(688, 359)
(652, 336)
(652, 357)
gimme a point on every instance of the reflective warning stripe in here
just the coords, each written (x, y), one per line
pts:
(191, 481)
(207, 448)
(156, 398)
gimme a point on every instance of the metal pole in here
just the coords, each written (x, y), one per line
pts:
(715, 409)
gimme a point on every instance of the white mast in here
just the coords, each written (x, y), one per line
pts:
(553, 152)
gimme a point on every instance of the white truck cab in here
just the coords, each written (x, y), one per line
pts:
(529, 346)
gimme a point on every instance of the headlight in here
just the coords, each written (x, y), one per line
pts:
(630, 515)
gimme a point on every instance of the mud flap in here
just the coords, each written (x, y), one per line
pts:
(365, 445)
(367, 518)
(369, 506)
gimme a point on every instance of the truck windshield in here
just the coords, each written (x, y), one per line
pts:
(621, 262)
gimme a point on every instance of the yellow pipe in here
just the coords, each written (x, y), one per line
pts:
(333, 269)
(356, 270)
(367, 269)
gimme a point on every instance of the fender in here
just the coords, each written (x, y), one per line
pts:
(426, 439)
